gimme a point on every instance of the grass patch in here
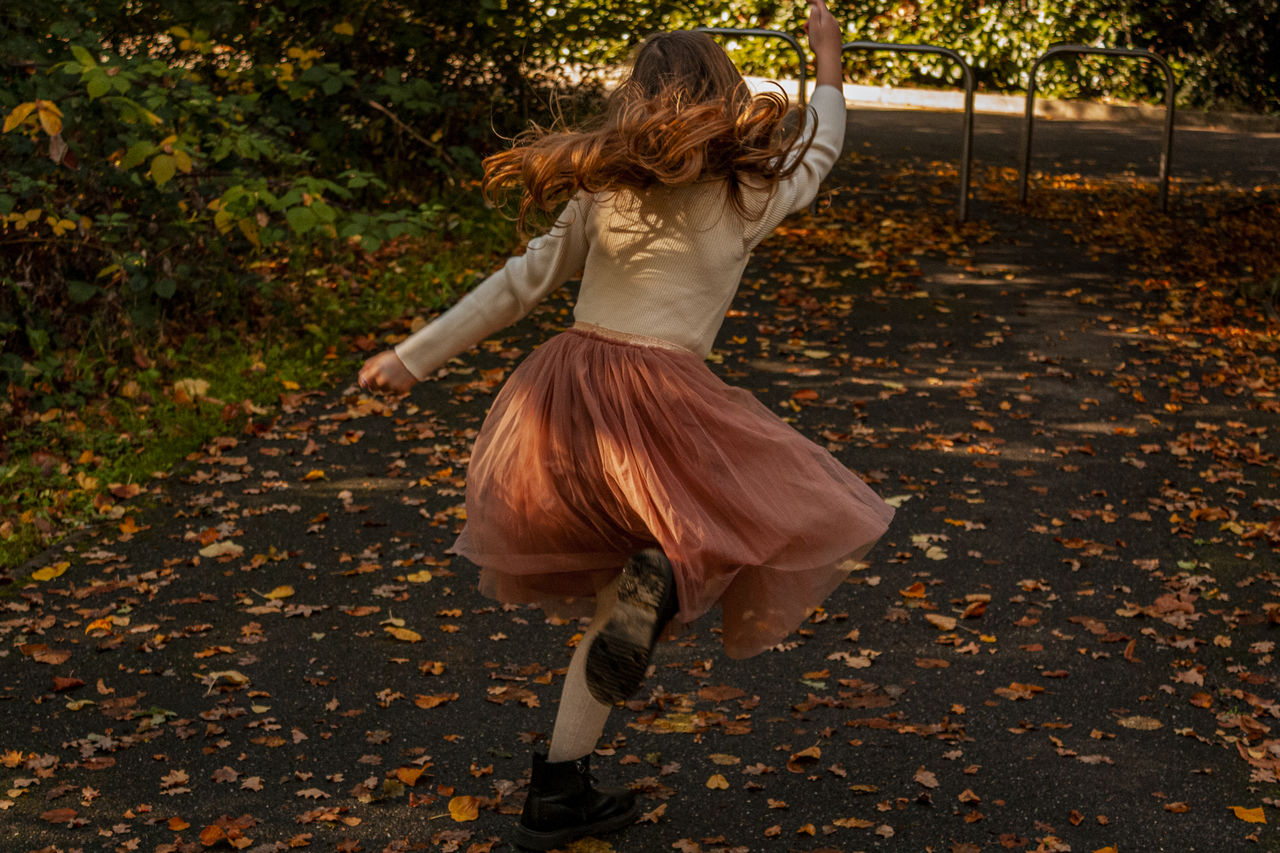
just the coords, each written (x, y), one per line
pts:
(127, 408)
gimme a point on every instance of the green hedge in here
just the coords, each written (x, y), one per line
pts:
(159, 154)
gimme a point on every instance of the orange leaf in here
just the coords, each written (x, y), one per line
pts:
(211, 835)
(435, 700)
(463, 809)
(800, 761)
(409, 775)
(717, 782)
(177, 824)
(1254, 815)
(916, 590)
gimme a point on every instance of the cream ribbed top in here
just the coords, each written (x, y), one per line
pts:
(664, 264)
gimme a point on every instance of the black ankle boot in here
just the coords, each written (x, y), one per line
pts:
(564, 805)
(619, 654)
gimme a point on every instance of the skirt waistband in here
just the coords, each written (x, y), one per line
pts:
(627, 337)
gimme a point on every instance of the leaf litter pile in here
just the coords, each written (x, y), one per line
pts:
(1066, 641)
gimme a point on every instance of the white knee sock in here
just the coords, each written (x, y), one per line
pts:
(580, 720)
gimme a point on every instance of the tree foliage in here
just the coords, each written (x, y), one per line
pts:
(157, 151)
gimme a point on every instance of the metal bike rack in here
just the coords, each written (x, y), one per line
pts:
(1077, 49)
(966, 154)
(759, 33)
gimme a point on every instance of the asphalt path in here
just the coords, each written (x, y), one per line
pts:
(1060, 645)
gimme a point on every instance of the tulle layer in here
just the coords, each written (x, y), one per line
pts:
(597, 447)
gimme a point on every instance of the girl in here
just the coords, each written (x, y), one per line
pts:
(614, 465)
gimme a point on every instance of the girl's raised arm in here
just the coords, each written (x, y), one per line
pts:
(825, 40)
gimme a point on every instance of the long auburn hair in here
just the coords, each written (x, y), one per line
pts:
(683, 115)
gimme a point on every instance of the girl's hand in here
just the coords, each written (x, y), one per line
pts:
(386, 372)
(825, 40)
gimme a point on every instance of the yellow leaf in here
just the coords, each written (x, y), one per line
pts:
(289, 384)
(163, 168)
(463, 809)
(50, 117)
(403, 634)
(18, 115)
(279, 592)
(234, 676)
(344, 29)
(314, 474)
(1141, 723)
(226, 548)
(418, 577)
(1254, 815)
(48, 573)
(98, 625)
(192, 387)
(718, 782)
(249, 228)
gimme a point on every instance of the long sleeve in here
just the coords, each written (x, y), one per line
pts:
(827, 111)
(504, 297)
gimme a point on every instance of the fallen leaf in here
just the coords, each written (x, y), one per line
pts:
(1140, 723)
(48, 573)
(942, 623)
(403, 634)
(801, 761)
(225, 548)
(463, 809)
(434, 700)
(1250, 815)
(926, 778)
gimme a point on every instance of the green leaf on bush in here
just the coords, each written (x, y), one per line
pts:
(99, 83)
(82, 291)
(301, 219)
(165, 288)
(223, 220)
(137, 152)
(163, 168)
(83, 56)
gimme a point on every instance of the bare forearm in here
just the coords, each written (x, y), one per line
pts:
(824, 40)
(829, 72)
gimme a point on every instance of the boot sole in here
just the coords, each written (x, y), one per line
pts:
(619, 655)
(531, 839)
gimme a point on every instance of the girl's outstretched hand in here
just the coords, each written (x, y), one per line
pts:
(825, 40)
(386, 372)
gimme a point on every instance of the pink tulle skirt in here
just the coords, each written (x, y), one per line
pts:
(601, 444)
